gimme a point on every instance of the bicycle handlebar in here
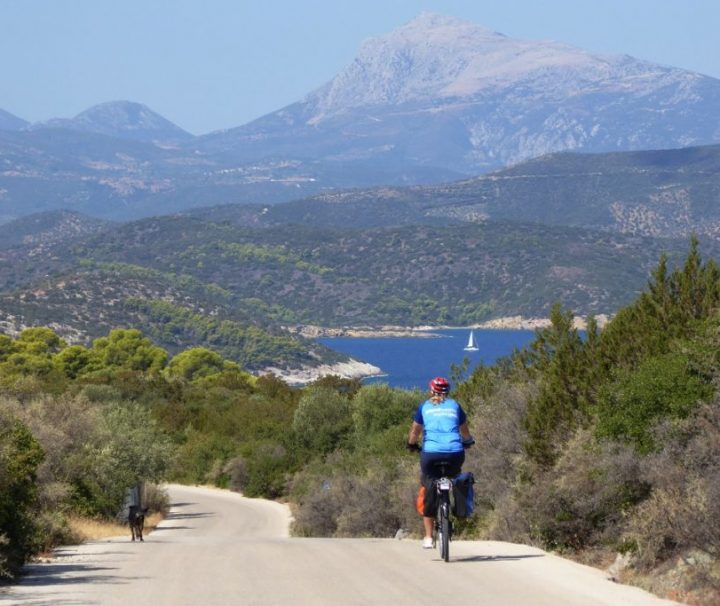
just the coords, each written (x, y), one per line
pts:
(467, 443)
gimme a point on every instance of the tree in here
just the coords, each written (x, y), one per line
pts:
(322, 419)
(559, 360)
(20, 455)
(195, 363)
(376, 408)
(129, 349)
(39, 341)
(663, 387)
(73, 361)
(670, 309)
(127, 448)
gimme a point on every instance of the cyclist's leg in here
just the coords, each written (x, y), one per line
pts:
(428, 477)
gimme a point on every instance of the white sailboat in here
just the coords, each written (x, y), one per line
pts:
(471, 345)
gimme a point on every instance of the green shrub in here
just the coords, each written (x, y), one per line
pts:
(20, 456)
(376, 408)
(662, 387)
(267, 469)
(322, 419)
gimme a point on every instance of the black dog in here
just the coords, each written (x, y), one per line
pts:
(136, 519)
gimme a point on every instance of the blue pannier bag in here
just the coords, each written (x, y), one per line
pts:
(463, 495)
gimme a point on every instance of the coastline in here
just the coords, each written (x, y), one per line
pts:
(425, 332)
(356, 369)
(352, 369)
(521, 323)
(364, 332)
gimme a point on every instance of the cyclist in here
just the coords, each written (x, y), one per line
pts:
(443, 425)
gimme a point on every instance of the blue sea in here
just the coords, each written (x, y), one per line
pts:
(410, 362)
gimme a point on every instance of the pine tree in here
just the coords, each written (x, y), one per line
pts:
(559, 361)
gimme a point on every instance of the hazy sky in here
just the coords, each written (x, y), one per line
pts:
(213, 64)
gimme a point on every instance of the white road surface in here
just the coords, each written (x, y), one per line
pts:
(217, 547)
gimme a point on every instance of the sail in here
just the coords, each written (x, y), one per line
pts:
(471, 346)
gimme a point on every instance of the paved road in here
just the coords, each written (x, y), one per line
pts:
(218, 548)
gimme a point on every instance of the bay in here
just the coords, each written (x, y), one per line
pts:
(410, 362)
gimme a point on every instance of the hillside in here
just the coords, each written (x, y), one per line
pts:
(49, 228)
(157, 271)
(664, 193)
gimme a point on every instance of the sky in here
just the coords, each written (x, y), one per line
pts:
(208, 65)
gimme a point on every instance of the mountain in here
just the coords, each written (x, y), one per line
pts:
(435, 101)
(121, 178)
(666, 193)
(122, 119)
(442, 94)
(10, 122)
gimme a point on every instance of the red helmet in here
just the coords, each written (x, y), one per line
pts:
(440, 386)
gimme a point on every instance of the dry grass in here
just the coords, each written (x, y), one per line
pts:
(89, 529)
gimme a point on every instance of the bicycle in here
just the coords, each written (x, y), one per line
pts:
(442, 529)
(443, 485)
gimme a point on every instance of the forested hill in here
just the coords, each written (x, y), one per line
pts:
(48, 228)
(168, 276)
(662, 193)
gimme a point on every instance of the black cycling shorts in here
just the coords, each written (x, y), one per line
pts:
(429, 463)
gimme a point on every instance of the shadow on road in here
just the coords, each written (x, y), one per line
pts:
(188, 516)
(66, 574)
(499, 558)
(58, 575)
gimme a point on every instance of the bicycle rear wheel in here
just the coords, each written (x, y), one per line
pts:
(444, 532)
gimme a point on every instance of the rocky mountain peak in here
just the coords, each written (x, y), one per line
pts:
(123, 119)
(437, 58)
(443, 25)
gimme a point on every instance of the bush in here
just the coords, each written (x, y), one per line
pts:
(583, 500)
(322, 419)
(53, 529)
(237, 471)
(683, 511)
(266, 471)
(156, 498)
(500, 435)
(100, 393)
(20, 456)
(342, 504)
(662, 387)
(376, 408)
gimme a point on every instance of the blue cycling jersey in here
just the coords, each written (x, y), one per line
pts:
(441, 425)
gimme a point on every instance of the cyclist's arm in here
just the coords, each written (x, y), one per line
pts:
(415, 432)
(465, 431)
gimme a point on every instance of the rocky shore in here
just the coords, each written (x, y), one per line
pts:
(352, 369)
(505, 323)
(520, 323)
(315, 332)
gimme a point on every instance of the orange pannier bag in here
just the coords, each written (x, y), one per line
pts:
(420, 501)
